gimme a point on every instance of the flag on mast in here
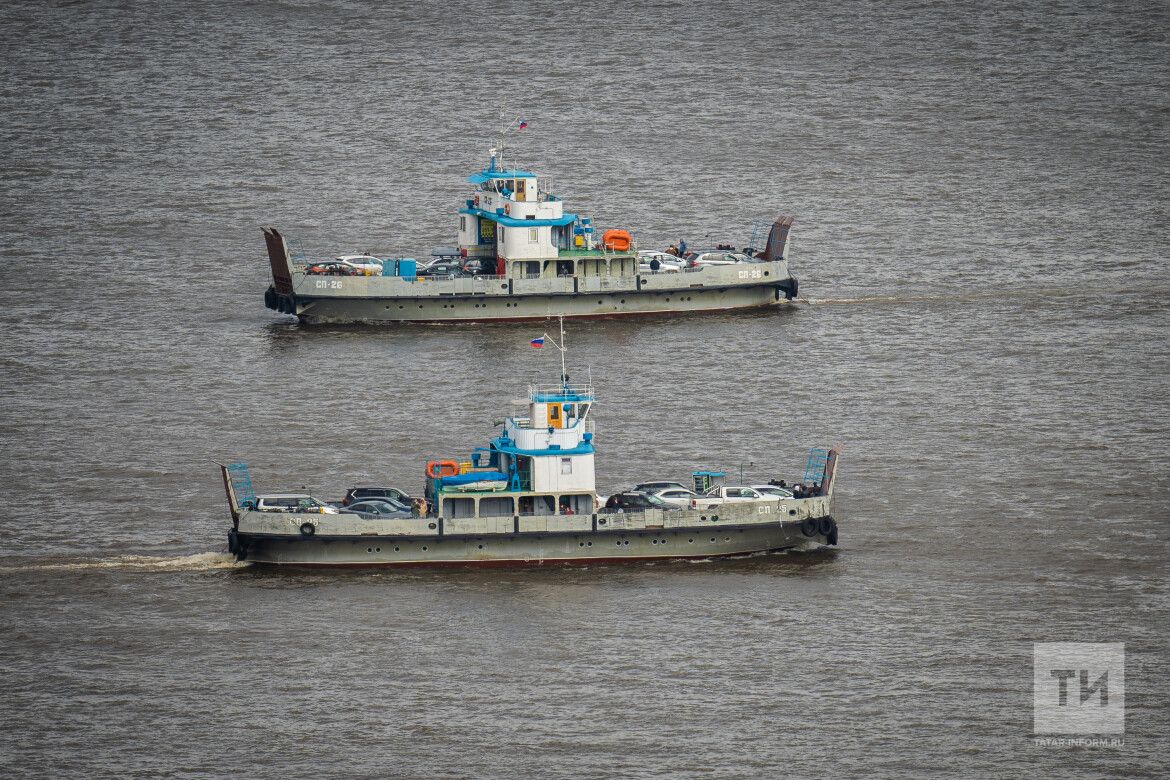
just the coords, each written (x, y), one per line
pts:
(523, 124)
(537, 343)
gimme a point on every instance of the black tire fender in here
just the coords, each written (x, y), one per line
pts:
(825, 525)
(308, 529)
(808, 527)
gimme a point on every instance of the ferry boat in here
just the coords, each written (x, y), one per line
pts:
(530, 497)
(535, 260)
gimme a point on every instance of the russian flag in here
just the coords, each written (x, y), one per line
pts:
(523, 125)
(537, 343)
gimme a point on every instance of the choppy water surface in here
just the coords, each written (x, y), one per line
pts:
(981, 203)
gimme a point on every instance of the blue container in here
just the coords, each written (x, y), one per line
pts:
(408, 268)
(389, 268)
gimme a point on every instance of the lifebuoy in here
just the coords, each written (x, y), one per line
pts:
(442, 468)
(308, 529)
(808, 527)
(507, 208)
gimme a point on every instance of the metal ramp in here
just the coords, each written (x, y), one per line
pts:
(814, 467)
(241, 482)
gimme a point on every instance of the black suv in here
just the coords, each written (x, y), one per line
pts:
(441, 268)
(362, 493)
(634, 502)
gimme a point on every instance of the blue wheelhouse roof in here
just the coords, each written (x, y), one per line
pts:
(488, 174)
(566, 397)
(498, 443)
(507, 221)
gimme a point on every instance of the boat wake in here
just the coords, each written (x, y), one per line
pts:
(144, 563)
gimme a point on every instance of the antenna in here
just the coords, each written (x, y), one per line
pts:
(561, 346)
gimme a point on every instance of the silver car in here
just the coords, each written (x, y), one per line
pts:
(676, 496)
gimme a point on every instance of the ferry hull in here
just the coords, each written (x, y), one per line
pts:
(531, 550)
(532, 307)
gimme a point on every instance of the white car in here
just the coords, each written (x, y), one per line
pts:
(735, 493)
(772, 490)
(715, 257)
(363, 264)
(651, 261)
(679, 497)
(293, 502)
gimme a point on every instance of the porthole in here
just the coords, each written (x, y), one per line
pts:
(767, 273)
(703, 518)
(727, 538)
(619, 544)
(396, 549)
(588, 544)
(431, 526)
(601, 521)
(481, 547)
(792, 511)
(377, 549)
(712, 538)
(653, 541)
(369, 549)
(690, 541)
(424, 548)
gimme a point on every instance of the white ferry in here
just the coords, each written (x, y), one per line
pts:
(521, 256)
(529, 497)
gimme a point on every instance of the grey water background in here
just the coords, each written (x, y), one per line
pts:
(981, 203)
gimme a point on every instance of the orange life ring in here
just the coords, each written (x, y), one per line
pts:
(507, 208)
(442, 468)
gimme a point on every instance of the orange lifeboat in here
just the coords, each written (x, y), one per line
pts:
(442, 468)
(617, 240)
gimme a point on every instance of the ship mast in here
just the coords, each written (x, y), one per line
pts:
(561, 346)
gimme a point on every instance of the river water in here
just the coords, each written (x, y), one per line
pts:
(981, 202)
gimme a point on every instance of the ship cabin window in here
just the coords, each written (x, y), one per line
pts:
(458, 507)
(566, 465)
(533, 234)
(537, 505)
(463, 224)
(575, 505)
(497, 506)
(500, 231)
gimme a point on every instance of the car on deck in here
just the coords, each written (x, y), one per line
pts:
(374, 508)
(675, 496)
(293, 502)
(635, 502)
(364, 492)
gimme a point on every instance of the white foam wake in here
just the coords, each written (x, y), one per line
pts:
(147, 563)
